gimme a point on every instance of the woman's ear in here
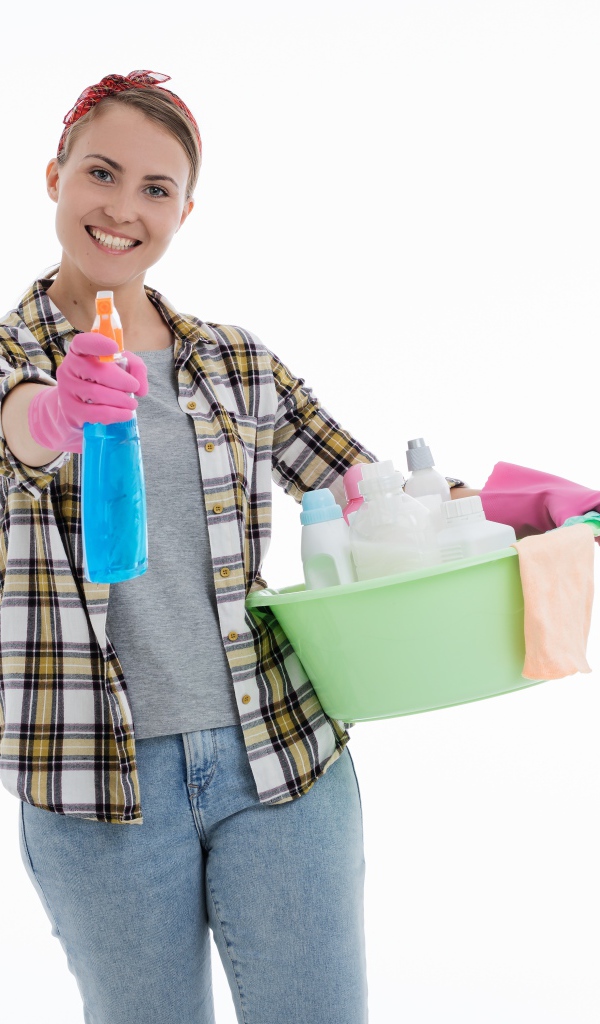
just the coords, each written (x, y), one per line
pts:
(52, 179)
(187, 209)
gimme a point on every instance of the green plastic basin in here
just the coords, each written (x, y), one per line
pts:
(408, 643)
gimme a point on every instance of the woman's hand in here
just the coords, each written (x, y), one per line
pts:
(87, 391)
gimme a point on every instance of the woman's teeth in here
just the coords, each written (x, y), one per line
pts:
(111, 241)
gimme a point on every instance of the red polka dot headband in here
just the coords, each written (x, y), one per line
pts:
(113, 84)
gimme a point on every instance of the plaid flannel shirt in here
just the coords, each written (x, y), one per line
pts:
(67, 736)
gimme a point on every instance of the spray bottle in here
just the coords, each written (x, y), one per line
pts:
(113, 510)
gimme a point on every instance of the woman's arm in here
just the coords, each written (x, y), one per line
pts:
(463, 492)
(15, 427)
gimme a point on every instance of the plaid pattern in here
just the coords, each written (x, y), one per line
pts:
(66, 730)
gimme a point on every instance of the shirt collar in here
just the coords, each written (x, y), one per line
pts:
(45, 320)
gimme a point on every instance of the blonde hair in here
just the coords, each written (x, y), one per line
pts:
(156, 106)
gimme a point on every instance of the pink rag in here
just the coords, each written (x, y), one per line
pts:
(533, 502)
(557, 575)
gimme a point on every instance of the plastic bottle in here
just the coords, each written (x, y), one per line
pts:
(113, 511)
(424, 482)
(467, 533)
(391, 532)
(354, 498)
(325, 542)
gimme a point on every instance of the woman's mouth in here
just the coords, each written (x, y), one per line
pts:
(116, 244)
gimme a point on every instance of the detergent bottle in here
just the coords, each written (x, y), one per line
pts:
(113, 503)
(467, 533)
(425, 483)
(391, 532)
(325, 545)
(354, 498)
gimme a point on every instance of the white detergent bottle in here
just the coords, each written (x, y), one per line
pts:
(425, 483)
(467, 533)
(325, 545)
(391, 532)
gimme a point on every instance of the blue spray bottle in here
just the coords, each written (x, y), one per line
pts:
(113, 504)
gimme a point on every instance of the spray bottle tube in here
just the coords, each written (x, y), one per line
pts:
(113, 504)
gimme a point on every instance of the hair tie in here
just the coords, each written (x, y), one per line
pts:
(110, 85)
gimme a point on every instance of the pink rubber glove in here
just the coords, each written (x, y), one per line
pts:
(533, 502)
(87, 391)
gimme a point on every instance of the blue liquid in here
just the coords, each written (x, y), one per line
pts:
(113, 503)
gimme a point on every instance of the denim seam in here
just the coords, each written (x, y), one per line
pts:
(201, 786)
(49, 911)
(228, 947)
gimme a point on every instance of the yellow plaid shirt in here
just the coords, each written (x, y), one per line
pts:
(67, 736)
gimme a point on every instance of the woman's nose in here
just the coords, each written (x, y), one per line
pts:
(121, 206)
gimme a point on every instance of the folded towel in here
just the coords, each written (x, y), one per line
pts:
(531, 501)
(557, 575)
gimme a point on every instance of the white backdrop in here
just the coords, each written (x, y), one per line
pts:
(401, 198)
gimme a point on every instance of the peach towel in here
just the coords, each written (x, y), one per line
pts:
(557, 574)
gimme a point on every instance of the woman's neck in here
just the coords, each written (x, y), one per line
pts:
(143, 326)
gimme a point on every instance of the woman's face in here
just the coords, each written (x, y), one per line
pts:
(121, 196)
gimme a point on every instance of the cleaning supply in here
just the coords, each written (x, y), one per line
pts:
(425, 483)
(532, 501)
(354, 498)
(115, 541)
(466, 533)
(557, 576)
(56, 415)
(391, 532)
(325, 544)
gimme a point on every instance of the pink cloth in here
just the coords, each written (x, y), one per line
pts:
(533, 502)
(557, 575)
(87, 391)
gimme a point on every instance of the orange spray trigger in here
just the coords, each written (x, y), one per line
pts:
(108, 322)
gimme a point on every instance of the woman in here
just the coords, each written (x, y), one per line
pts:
(159, 701)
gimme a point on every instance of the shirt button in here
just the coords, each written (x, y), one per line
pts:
(232, 636)
(191, 405)
(246, 698)
(209, 447)
(225, 572)
(217, 509)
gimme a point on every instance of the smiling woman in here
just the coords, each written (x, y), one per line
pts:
(164, 687)
(117, 200)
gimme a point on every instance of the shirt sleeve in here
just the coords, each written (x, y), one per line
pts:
(33, 479)
(310, 448)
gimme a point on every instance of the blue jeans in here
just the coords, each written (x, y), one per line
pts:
(281, 887)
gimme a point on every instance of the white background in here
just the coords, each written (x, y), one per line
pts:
(401, 199)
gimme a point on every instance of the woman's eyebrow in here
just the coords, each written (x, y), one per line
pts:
(111, 163)
(161, 177)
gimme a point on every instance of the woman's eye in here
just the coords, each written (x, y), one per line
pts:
(156, 190)
(98, 173)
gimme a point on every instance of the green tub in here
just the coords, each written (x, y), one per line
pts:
(407, 643)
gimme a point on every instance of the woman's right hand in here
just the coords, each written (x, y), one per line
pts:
(87, 391)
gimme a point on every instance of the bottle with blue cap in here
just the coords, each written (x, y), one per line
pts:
(325, 547)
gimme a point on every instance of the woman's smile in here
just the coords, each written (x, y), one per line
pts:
(111, 242)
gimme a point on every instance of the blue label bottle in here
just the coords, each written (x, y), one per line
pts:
(113, 499)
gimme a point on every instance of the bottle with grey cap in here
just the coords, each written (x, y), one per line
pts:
(425, 483)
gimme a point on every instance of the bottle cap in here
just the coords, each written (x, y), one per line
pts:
(380, 478)
(352, 478)
(419, 455)
(105, 303)
(319, 506)
(463, 508)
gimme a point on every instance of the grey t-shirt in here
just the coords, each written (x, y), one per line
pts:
(164, 625)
